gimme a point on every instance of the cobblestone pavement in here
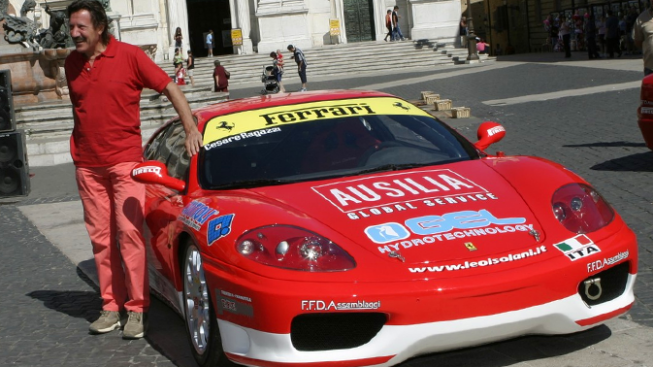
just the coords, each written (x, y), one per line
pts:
(49, 301)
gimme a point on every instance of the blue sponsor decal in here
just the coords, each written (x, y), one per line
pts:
(387, 232)
(434, 224)
(196, 214)
(218, 228)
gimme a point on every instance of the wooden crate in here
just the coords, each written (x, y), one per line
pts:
(442, 105)
(431, 98)
(460, 112)
(425, 93)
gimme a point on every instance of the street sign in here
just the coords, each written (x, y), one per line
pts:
(334, 27)
(237, 37)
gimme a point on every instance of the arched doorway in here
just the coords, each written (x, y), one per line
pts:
(359, 20)
(209, 14)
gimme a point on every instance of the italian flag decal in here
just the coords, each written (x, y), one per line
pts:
(577, 247)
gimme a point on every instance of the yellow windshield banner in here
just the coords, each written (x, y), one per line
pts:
(269, 120)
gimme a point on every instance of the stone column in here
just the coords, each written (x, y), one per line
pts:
(240, 18)
(281, 23)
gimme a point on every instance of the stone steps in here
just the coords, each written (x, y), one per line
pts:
(48, 125)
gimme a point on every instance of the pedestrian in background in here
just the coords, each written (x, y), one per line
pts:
(565, 33)
(600, 27)
(178, 38)
(220, 78)
(209, 43)
(612, 35)
(105, 79)
(396, 31)
(300, 59)
(178, 63)
(277, 62)
(643, 39)
(463, 30)
(388, 25)
(590, 35)
(190, 67)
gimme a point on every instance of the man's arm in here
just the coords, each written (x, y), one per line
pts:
(179, 102)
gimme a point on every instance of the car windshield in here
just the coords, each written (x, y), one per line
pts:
(326, 148)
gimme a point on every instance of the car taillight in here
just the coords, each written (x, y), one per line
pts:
(581, 209)
(293, 248)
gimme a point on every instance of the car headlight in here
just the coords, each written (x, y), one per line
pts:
(581, 209)
(293, 248)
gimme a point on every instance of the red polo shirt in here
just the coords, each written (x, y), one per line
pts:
(106, 103)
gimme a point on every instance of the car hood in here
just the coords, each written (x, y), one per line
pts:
(433, 215)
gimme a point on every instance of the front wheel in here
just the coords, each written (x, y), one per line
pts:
(203, 332)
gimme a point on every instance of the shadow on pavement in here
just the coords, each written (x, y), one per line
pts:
(641, 162)
(166, 331)
(514, 351)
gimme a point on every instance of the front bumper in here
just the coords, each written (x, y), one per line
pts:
(396, 343)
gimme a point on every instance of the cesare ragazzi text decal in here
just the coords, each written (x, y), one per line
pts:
(430, 225)
(578, 247)
(432, 187)
(196, 214)
(235, 124)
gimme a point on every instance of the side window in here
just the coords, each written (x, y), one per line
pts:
(152, 149)
(168, 148)
(178, 160)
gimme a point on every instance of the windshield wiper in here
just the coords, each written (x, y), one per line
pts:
(393, 167)
(244, 184)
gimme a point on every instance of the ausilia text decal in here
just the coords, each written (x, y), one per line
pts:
(481, 263)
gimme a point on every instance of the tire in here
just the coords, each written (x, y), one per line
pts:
(199, 314)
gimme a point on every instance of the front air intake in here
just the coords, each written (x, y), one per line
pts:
(328, 331)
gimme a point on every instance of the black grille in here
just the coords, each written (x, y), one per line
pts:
(613, 283)
(327, 331)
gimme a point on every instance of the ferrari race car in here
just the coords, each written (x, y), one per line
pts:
(352, 228)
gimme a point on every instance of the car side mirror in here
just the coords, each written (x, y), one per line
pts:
(155, 172)
(489, 133)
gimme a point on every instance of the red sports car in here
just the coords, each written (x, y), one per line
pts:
(645, 111)
(351, 228)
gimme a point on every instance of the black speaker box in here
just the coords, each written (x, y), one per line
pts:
(14, 169)
(7, 116)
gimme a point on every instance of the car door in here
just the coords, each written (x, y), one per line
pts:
(164, 205)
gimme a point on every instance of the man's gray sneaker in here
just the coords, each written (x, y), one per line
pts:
(136, 325)
(108, 321)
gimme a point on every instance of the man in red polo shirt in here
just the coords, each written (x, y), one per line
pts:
(105, 79)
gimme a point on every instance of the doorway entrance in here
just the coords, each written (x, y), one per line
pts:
(359, 21)
(209, 14)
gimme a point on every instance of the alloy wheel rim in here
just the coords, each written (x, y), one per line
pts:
(197, 300)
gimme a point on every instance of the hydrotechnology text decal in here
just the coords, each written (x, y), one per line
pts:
(265, 120)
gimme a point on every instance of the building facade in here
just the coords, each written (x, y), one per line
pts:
(267, 25)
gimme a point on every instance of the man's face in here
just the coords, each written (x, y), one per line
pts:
(83, 33)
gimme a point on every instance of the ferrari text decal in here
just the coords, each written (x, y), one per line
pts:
(389, 190)
(578, 247)
(436, 224)
(218, 228)
(241, 136)
(196, 214)
(317, 305)
(481, 263)
(237, 123)
(600, 264)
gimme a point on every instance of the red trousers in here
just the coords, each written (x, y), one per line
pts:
(113, 214)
